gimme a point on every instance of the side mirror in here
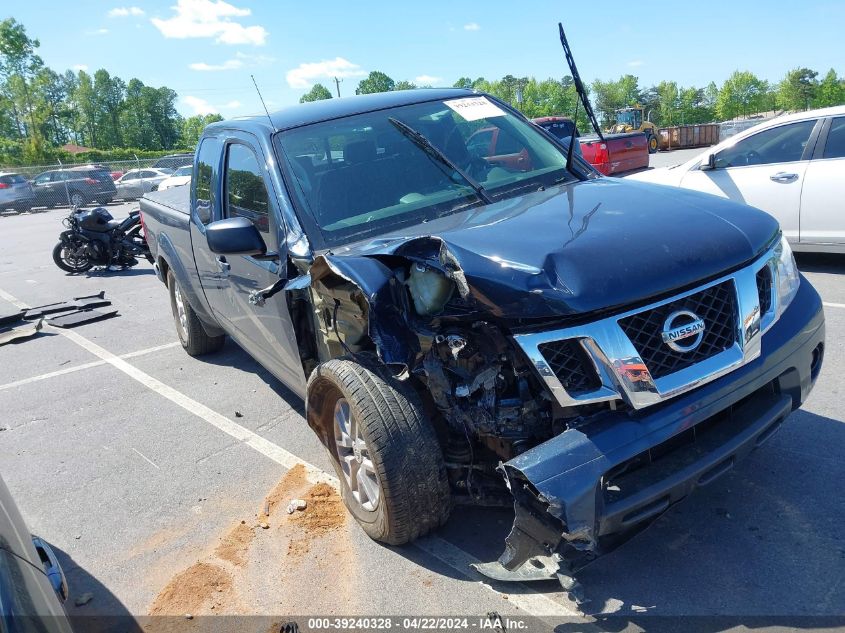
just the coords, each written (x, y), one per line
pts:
(708, 163)
(234, 236)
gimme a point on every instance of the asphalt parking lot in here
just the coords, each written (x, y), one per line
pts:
(139, 463)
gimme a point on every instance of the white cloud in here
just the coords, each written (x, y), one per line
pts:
(634, 63)
(198, 105)
(427, 80)
(210, 19)
(240, 60)
(472, 26)
(254, 60)
(229, 64)
(78, 67)
(122, 12)
(303, 76)
(97, 32)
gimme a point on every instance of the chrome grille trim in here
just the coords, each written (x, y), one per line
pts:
(611, 351)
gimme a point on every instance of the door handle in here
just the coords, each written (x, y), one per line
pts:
(223, 265)
(782, 176)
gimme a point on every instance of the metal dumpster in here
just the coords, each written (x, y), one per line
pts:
(683, 136)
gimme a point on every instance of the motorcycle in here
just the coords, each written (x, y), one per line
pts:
(95, 238)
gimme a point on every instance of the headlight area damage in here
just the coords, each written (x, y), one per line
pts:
(413, 306)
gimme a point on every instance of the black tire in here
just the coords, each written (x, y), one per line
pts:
(105, 201)
(68, 266)
(75, 198)
(652, 144)
(192, 334)
(414, 496)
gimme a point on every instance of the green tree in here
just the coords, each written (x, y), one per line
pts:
(19, 64)
(318, 92)
(797, 90)
(85, 104)
(669, 103)
(613, 95)
(109, 95)
(463, 82)
(831, 90)
(741, 94)
(53, 110)
(193, 126)
(376, 81)
(404, 85)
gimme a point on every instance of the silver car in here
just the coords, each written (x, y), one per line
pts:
(136, 182)
(15, 192)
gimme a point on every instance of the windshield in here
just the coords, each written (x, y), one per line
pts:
(361, 176)
(183, 171)
(629, 117)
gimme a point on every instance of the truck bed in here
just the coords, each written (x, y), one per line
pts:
(175, 199)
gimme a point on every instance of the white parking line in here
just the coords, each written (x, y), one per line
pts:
(827, 304)
(532, 602)
(75, 368)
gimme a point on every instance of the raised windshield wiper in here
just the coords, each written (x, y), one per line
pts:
(424, 144)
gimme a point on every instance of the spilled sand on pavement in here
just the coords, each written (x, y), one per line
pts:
(272, 562)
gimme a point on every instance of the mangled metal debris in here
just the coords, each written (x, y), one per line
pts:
(20, 331)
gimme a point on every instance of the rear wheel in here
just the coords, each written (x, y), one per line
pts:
(71, 258)
(652, 144)
(392, 474)
(76, 199)
(191, 333)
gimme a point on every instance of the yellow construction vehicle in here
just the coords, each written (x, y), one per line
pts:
(631, 120)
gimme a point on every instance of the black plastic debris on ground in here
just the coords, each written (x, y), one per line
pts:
(11, 318)
(79, 303)
(80, 317)
(62, 314)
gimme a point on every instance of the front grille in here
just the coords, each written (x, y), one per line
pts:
(716, 306)
(764, 289)
(570, 363)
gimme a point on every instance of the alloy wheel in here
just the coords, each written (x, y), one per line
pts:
(354, 457)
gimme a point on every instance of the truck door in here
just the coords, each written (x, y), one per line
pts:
(205, 209)
(822, 209)
(265, 331)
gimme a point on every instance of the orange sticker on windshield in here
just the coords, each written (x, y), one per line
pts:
(475, 108)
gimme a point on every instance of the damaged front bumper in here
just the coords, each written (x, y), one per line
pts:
(581, 493)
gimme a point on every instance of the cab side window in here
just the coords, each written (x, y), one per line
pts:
(205, 190)
(246, 193)
(835, 146)
(782, 144)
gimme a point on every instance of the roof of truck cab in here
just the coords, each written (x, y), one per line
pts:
(325, 110)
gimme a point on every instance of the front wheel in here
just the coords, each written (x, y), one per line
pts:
(385, 451)
(71, 258)
(191, 332)
(652, 144)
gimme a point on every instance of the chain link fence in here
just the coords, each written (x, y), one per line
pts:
(36, 187)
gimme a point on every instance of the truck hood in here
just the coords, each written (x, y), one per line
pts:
(585, 247)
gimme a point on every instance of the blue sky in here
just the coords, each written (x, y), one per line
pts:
(206, 49)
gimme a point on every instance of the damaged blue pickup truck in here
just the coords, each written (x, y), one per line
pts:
(485, 329)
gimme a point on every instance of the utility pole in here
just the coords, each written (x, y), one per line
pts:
(337, 86)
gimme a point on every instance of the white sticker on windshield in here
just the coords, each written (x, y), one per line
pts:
(474, 108)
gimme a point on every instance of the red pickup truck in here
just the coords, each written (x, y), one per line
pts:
(615, 154)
